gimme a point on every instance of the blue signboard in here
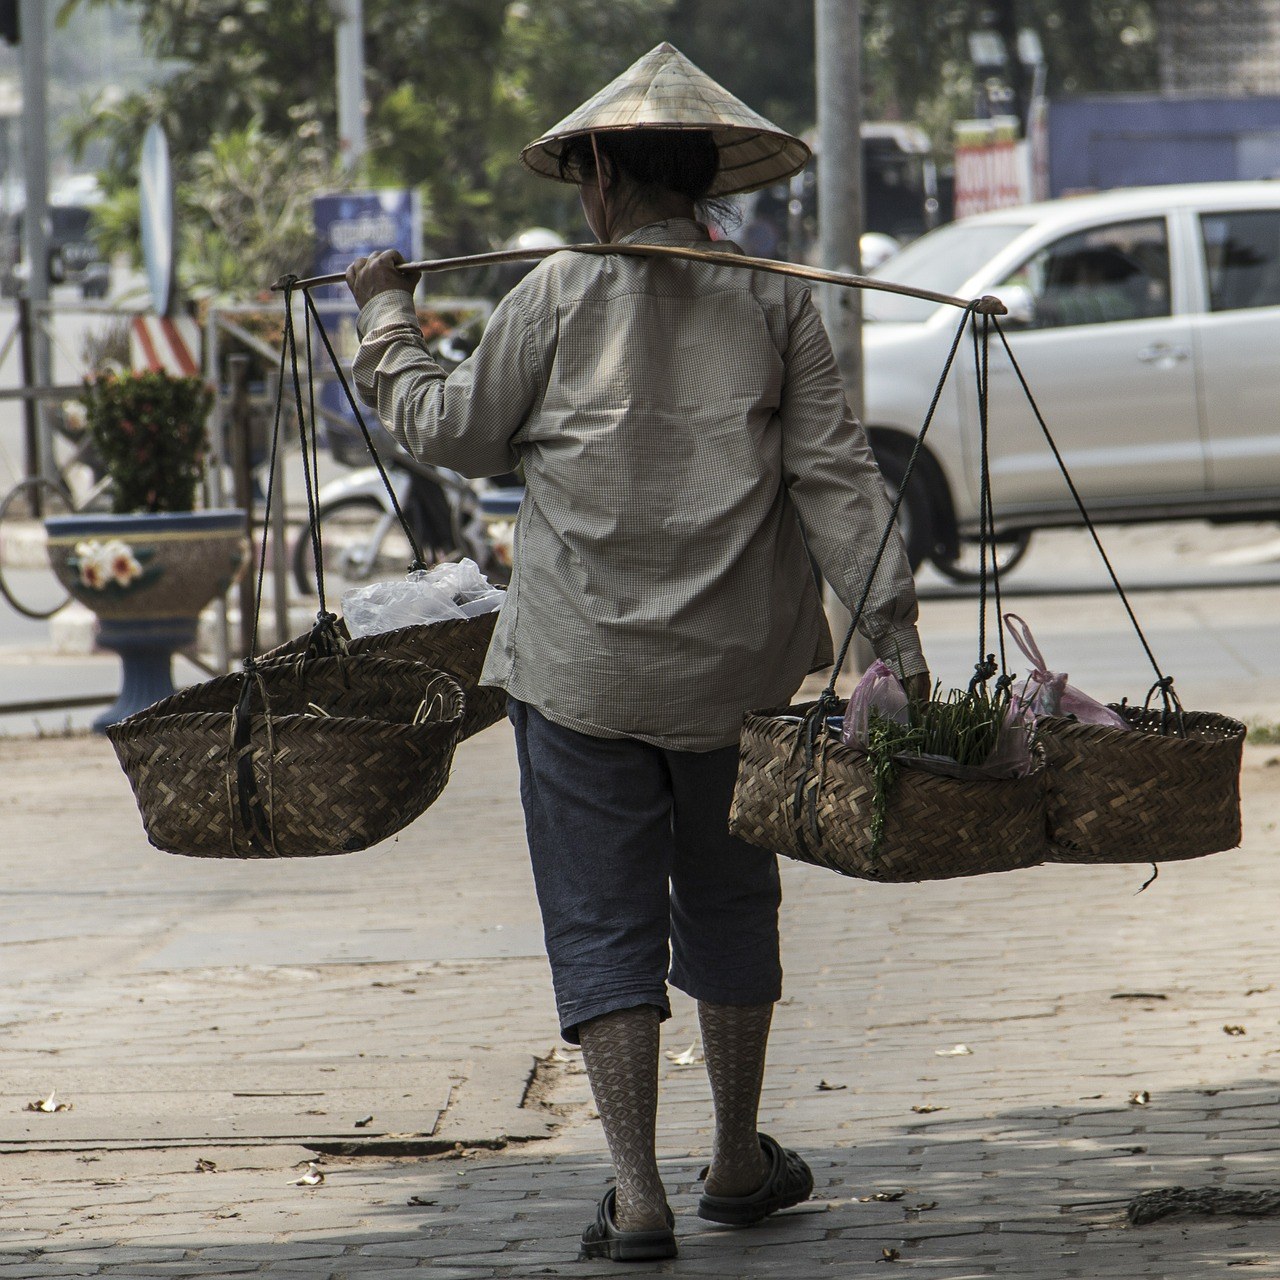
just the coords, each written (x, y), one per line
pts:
(350, 225)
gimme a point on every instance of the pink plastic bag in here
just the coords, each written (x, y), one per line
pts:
(878, 690)
(1047, 693)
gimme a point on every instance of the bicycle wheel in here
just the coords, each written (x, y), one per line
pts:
(361, 541)
(27, 581)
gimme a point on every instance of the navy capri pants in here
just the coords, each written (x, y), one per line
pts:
(638, 877)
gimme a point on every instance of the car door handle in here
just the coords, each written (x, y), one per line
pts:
(1163, 353)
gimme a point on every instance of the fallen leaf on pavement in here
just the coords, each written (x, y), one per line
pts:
(206, 1166)
(48, 1105)
(889, 1255)
(824, 1087)
(364, 1122)
(956, 1051)
(687, 1058)
(312, 1178)
(926, 1109)
(1140, 1099)
(921, 1208)
(882, 1196)
(419, 1202)
(1232, 1029)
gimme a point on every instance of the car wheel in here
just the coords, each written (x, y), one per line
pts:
(915, 517)
(967, 566)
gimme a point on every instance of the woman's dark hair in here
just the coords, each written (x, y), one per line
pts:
(681, 160)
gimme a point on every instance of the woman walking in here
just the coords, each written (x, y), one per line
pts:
(687, 444)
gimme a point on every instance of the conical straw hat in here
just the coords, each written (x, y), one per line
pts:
(664, 90)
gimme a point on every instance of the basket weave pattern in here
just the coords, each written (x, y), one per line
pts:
(936, 827)
(1138, 795)
(330, 783)
(456, 647)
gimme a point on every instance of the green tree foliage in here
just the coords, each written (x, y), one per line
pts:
(246, 210)
(457, 87)
(917, 64)
(761, 52)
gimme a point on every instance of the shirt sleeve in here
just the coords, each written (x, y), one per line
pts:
(837, 489)
(464, 420)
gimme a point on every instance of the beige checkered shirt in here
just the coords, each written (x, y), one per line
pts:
(679, 424)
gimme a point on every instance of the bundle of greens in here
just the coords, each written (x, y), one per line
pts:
(965, 728)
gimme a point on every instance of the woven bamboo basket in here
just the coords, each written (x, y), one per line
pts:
(936, 827)
(1139, 795)
(348, 752)
(457, 647)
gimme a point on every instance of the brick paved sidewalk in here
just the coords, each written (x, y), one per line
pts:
(406, 984)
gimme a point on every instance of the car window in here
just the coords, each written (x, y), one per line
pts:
(941, 261)
(69, 222)
(1242, 255)
(1106, 274)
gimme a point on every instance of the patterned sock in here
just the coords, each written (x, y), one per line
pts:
(734, 1038)
(620, 1051)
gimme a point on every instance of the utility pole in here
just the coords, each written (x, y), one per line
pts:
(838, 45)
(350, 77)
(838, 49)
(35, 217)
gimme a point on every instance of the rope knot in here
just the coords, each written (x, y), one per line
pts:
(983, 671)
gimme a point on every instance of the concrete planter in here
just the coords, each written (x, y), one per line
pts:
(146, 577)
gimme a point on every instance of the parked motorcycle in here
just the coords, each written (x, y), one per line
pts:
(451, 517)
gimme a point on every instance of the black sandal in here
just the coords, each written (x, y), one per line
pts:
(602, 1239)
(789, 1182)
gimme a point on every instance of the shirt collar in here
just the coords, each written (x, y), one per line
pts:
(670, 231)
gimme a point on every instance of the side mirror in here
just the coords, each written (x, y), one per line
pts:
(1021, 305)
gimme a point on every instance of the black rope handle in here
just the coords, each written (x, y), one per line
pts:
(418, 560)
(986, 666)
(285, 342)
(810, 732)
(311, 477)
(828, 699)
(1164, 683)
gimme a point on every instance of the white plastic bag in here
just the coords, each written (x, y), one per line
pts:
(439, 594)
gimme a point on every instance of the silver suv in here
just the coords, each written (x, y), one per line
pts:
(1147, 322)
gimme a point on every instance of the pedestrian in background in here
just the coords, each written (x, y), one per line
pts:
(686, 441)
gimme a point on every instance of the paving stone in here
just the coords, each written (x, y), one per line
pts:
(1029, 1172)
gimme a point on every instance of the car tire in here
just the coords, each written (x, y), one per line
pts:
(915, 518)
(967, 567)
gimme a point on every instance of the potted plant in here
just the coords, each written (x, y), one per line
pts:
(148, 567)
